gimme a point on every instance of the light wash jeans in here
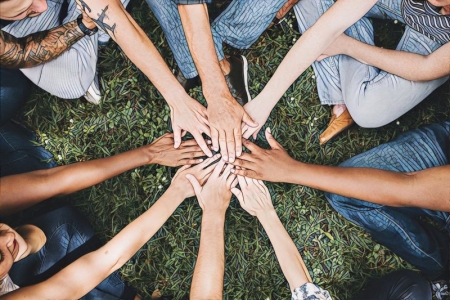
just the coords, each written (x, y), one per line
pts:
(400, 228)
(373, 97)
(239, 25)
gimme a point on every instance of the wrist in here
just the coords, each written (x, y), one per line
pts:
(215, 216)
(293, 171)
(265, 216)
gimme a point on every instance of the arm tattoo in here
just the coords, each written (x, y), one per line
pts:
(37, 48)
(101, 24)
(84, 6)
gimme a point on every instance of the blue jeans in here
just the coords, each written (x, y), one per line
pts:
(373, 97)
(239, 25)
(69, 236)
(18, 153)
(14, 91)
(399, 228)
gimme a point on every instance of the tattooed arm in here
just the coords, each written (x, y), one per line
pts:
(39, 47)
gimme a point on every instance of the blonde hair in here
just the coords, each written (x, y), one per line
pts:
(7, 285)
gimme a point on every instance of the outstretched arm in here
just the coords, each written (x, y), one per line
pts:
(87, 272)
(20, 191)
(186, 113)
(40, 47)
(255, 198)
(306, 50)
(411, 66)
(426, 189)
(214, 198)
(225, 114)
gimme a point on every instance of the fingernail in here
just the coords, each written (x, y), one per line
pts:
(231, 159)
(269, 131)
(200, 160)
(225, 158)
(216, 148)
(208, 142)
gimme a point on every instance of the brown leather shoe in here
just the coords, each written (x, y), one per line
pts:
(336, 126)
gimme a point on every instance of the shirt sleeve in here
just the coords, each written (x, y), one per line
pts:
(310, 291)
(187, 2)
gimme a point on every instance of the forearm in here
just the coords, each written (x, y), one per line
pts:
(311, 45)
(207, 282)
(426, 189)
(290, 260)
(20, 191)
(411, 66)
(37, 48)
(84, 274)
(136, 45)
(198, 35)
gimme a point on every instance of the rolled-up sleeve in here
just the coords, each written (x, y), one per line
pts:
(187, 2)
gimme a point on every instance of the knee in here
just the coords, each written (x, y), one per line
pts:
(367, 115)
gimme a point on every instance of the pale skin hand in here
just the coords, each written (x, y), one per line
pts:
(254, 198)
(258, 114)
(224, 113)
(214, 199)
(201, 172)
(271, 164)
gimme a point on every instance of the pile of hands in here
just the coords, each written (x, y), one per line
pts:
(214, 179)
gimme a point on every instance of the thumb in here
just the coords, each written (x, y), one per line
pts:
(237, 192)
(248, 120)
(195, 184)
(271, 140)
(176, 136)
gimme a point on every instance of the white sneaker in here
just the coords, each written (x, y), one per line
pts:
(93, 93)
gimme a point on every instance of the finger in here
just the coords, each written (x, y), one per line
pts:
(251, 146)
(230, 180)
(191, 161)
(257, 185)
(248, 120)
(255, 134)
(215, 139)
(245, 132)
(242, 182)
(208, 170)
(176, 136)
(235, 182)
(201, 142)
(193, 154)
(218, 168)
(182, 169)
(237, 192)
(243, 163)
(223, 145)
(207, 161)
(245, 173)
(227, 171)
(238, 139)
(183, 133)
(189, 143)
(206, 130)
(231, 145)
(195, 184)
(271, 140)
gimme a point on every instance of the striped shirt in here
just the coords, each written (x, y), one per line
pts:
(426, 19)
(187, 2)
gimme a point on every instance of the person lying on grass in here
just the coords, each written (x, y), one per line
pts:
(397, 183)
(374, 86)
(88, 270)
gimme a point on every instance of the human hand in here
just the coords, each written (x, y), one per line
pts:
(191, 116)
(258, 114)
(253, 196)
(271, 164)
(225, 118)
(215, 195)
(200, 172)
(162, 152)
(339, 46)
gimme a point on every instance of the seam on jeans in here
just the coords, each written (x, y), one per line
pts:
(411, 242)
(6, 140)
(11, 161)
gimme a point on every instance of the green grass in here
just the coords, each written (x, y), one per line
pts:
(340, 256)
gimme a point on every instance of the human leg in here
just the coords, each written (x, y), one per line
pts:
(14, 91)
(18, 152)
(69, 236)
(400, 285)
(399, 228)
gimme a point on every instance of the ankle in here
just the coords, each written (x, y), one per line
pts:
(338, 109)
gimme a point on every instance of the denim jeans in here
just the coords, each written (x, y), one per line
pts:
(399, 228)
(18, 153)
(239, 25)
(69, 236)
(14, 91)
(372, 96)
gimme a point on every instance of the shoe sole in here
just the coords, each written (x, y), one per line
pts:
(246, 78)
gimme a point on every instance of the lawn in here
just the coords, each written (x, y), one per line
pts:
(339, 255)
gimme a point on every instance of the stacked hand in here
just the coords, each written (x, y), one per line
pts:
(253, 196)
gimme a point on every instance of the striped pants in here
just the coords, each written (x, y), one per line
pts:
(240, 25)
(69, 75)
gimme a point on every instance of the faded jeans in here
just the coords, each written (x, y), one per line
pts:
(239, 25)
(399, 228)
(373, 97)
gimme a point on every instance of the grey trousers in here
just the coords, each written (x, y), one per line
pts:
(70, 74)
(373, 97)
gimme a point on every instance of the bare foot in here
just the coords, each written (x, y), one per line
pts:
(338, 109)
